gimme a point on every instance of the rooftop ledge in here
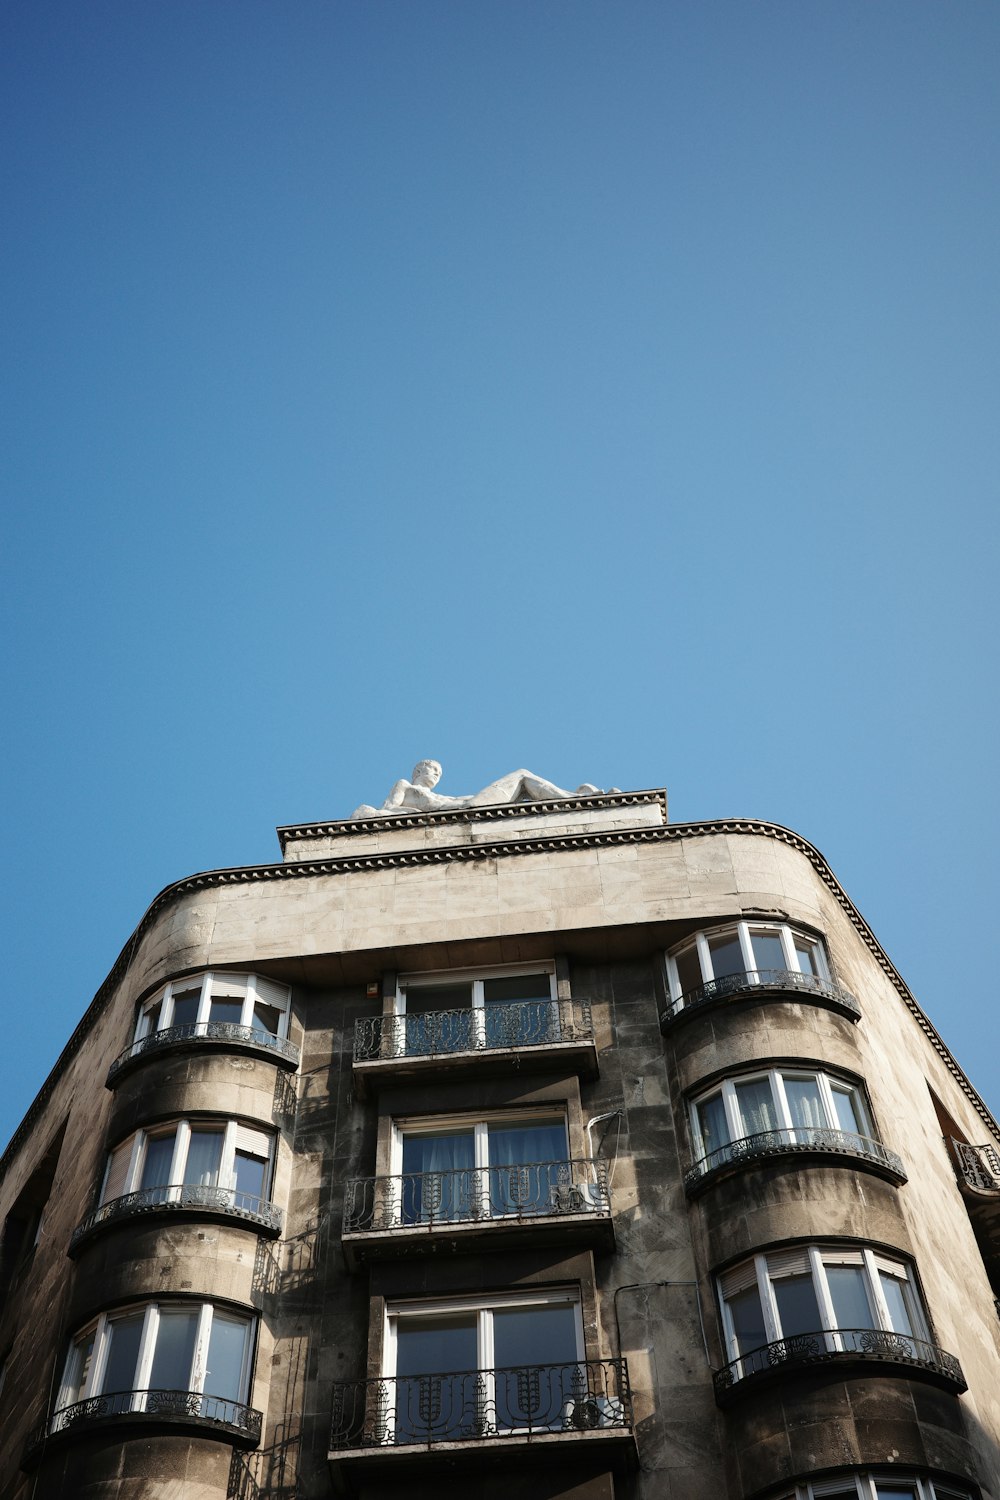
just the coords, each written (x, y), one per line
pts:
(602, 812)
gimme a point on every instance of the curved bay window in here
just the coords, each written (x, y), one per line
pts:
(876, 1486)
(743, 956)
(159, 1359)
(203, 1001)
(782, 1109)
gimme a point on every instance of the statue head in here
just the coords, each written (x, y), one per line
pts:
(427, 773)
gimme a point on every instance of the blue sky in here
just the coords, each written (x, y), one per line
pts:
(607, 389)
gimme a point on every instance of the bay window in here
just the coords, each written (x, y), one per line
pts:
(829, 1297)
(460, 1011)
(196, 1161)
(754, 952)
(875, 1486)
(202, 1003)
(794, 1104)
(159, 1357)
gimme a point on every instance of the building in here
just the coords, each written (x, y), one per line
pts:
(542, 1147)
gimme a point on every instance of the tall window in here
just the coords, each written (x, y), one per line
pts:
(138, 1354)
(795, 1101)
(834, 1293)
(451, 1169)
(210, 1000)
(757, 951)
(191, 1160)
(500, 1363)
(455, 1012)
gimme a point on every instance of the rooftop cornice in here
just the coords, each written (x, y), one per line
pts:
(543, 844)
(348, 827)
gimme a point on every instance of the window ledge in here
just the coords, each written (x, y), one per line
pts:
(148, 1410)
(895, 1353)
(834, 1147)
(224, 1035)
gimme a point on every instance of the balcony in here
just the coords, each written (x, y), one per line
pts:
(191, 1411)
(480, 1208)
(521, 1034)
(763, 985)
(894, 1353)
(217, 1035)
(473, 1418)
(219, 1204)
(978, 1171)
(803, 1140)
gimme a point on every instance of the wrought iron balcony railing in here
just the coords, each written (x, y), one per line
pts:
(978, 1166)
(800, 1138)
(185, 1198)
(239, 1423)
(824, 991)
(876, 1344)
(502, 1027)
(211, 1032)
(471, 1405)
(477, 1195)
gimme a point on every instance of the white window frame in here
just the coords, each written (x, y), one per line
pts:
(248, 983)
(743, 930)
(477, 978)
(483, 1307)
(826, 1083)
(872, 1262)
(866, 1484)
(101, 1328)
(230, 1130)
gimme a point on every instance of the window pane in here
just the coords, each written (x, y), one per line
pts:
(436, 1345)
(204, 1155)
(804, 1103)
(521, 987)
(430, 1402)
(895, 1293)
(727, 955)
(849, 1116)
(540, 1343)
(522, 1176)
(438, 1177)
(748, 1320)
(151, 1018)
(688, 969)
(78, 1368)
(713, 1124)
(186, 1008)
(756, 1106)
(225, 1010)
(892, 1491)
(250, 1172)
(174, 1353)
(123, 1353)
(767, 950)
(424, 997)
(266, 1018)
(798, 1310)
(851, 1308)
(808, 957)
(439, 1018)
(156, 1166)
(226, 1348)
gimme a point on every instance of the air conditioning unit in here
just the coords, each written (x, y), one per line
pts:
(589, 1412)
(576, 1197)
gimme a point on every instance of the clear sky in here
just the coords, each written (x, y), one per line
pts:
(610, 389)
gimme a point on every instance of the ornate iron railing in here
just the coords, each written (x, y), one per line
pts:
(232, 1417)
(207, 1031)
(523, 1190)
(763, 979)
(508, 1026)
(469, 1405)
(978, 1166)
(876, 1344)
(797, 1138)
(185, 1197)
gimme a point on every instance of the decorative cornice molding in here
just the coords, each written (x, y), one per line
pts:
(543, 844)
(347, 827)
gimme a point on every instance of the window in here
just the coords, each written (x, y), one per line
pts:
(797, 1103)
(451, 1169)
(755, 952)
(460, 1012)
(831, 1296)
(498, 1364)
(205, 1001)
(192, 1161)
(876, 1487)
(137, 1356)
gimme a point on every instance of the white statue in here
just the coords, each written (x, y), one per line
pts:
(419, 795)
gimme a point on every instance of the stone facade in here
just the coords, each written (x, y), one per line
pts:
(244, 1323)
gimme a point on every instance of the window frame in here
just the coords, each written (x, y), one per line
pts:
(744, 928)
(162, 1001)
(776, 1074)
(101, 1328)
(873, 1262)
